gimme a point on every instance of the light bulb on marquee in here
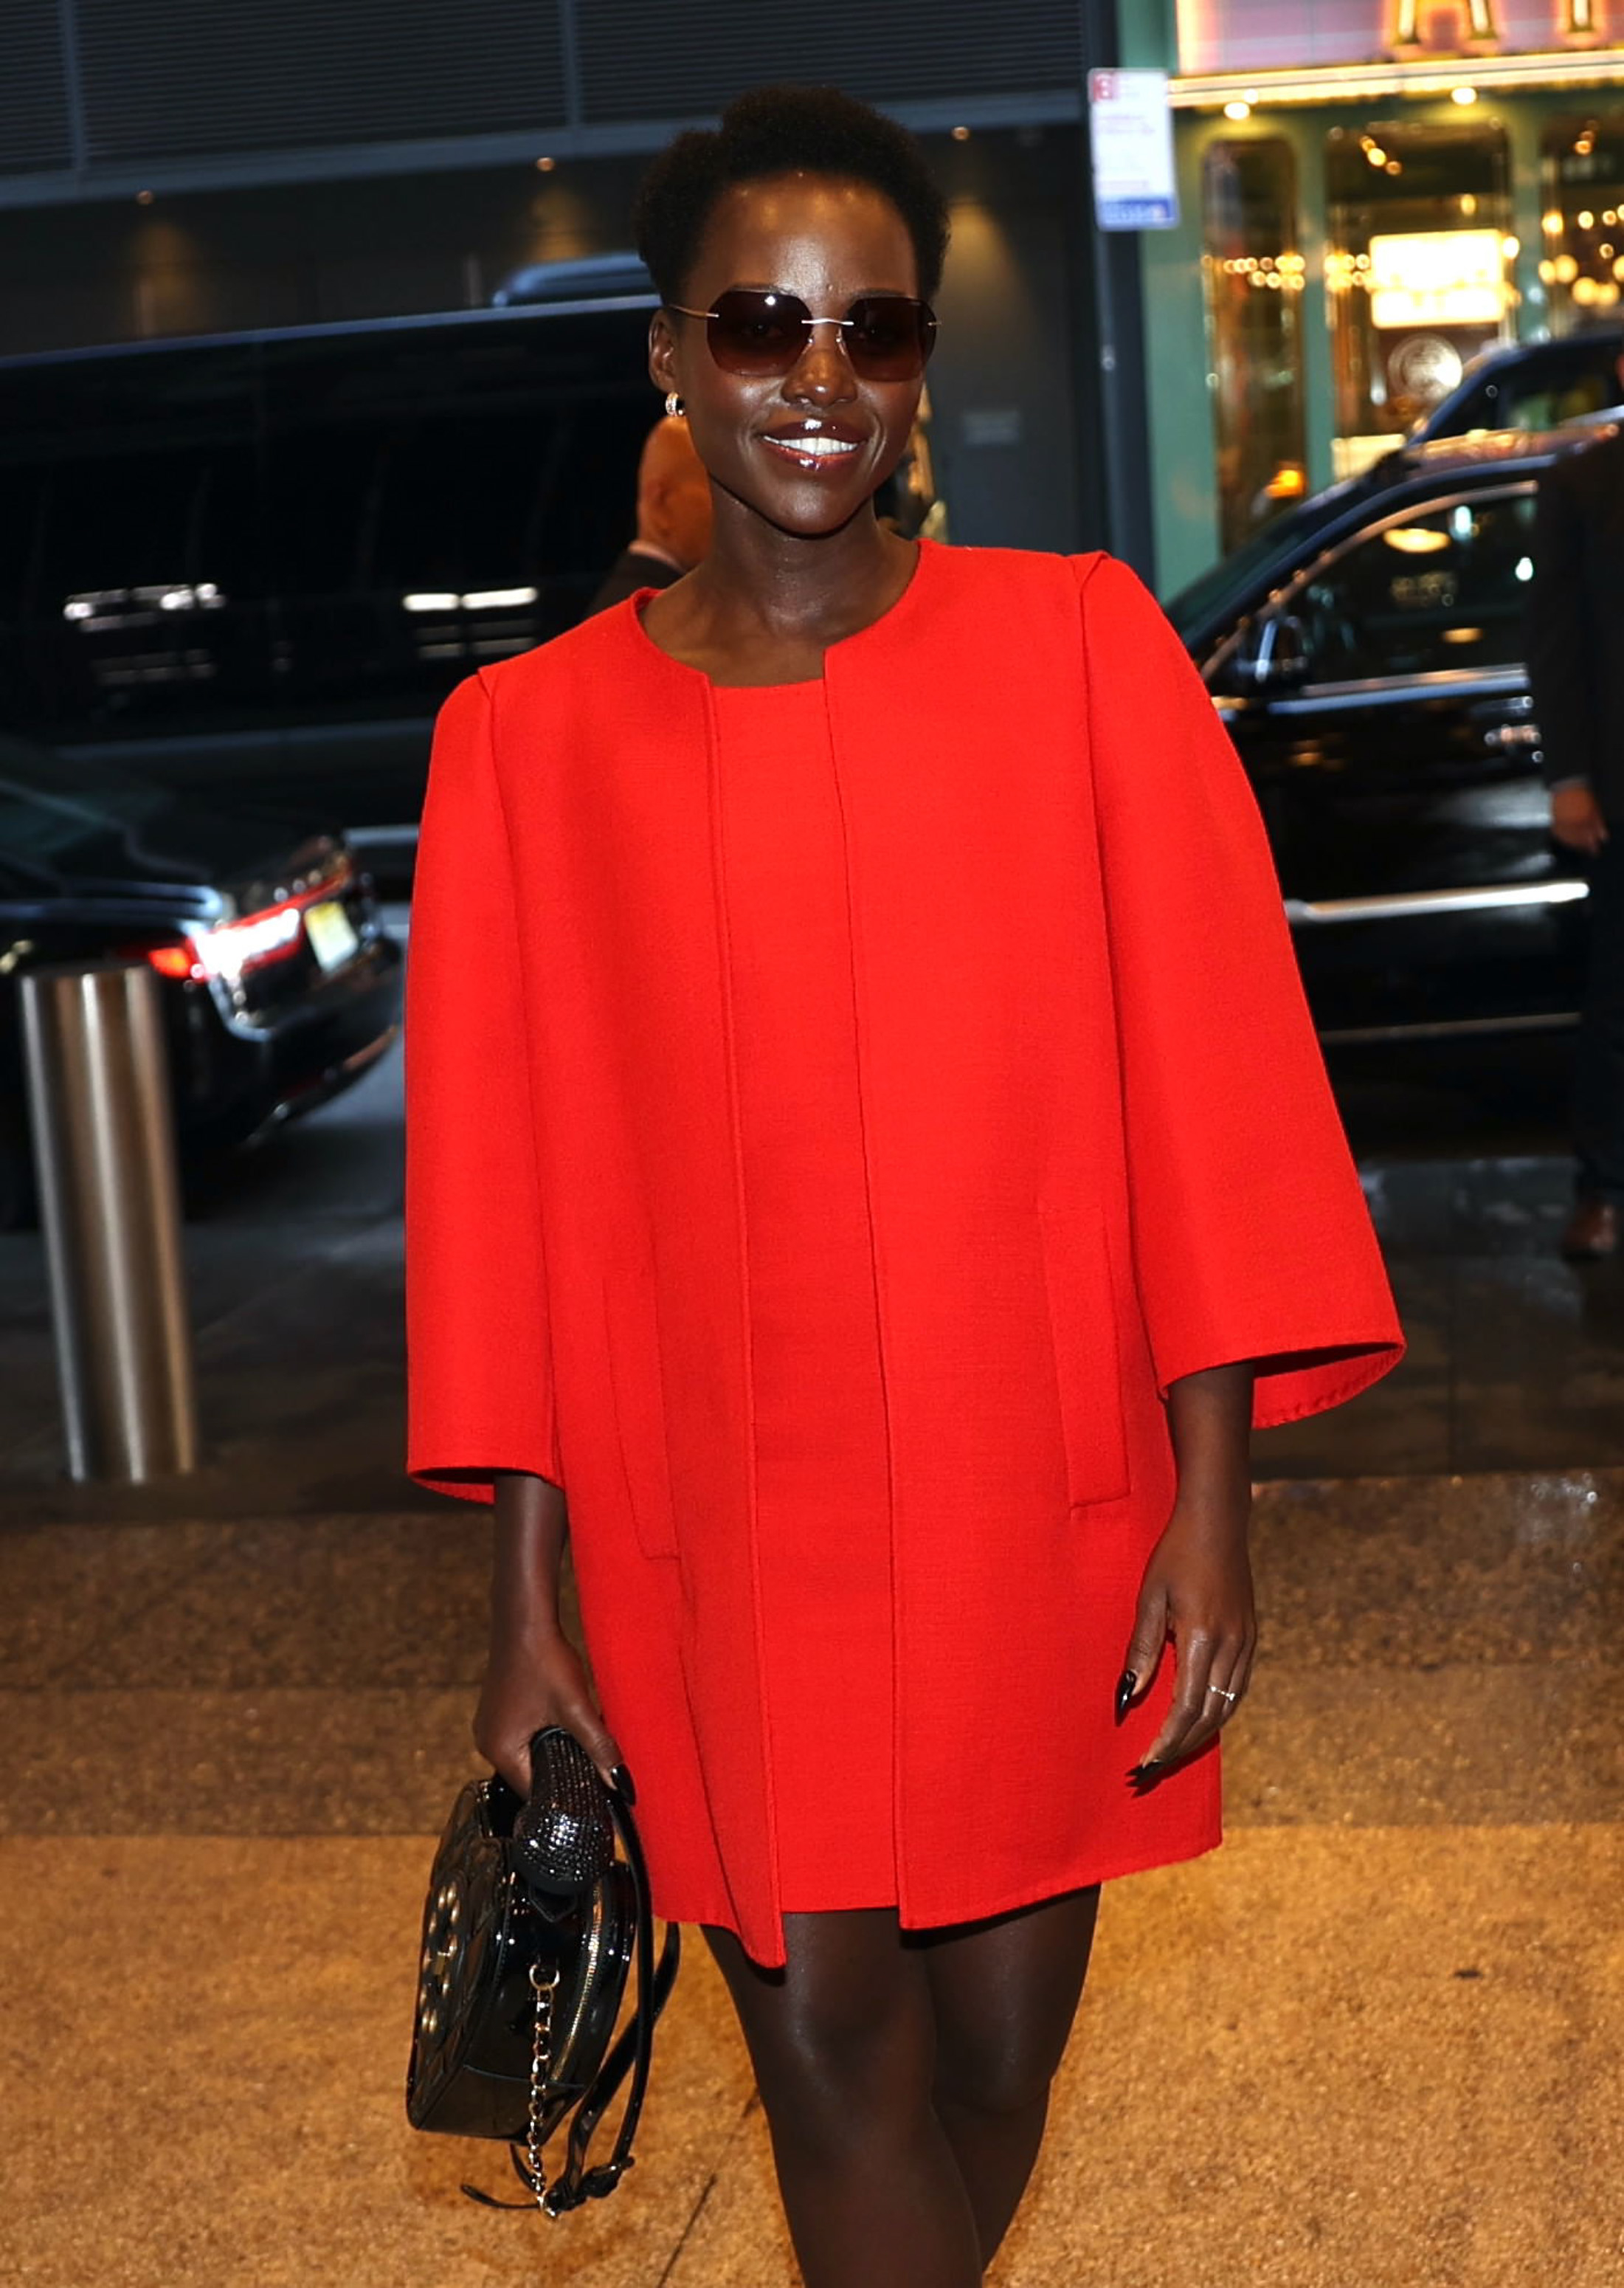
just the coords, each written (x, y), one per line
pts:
(1575, 23)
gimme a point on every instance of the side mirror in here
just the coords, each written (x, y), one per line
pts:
(1274, 652)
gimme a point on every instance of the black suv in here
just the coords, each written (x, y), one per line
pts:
(1366, 652)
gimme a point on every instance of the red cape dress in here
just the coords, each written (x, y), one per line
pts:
(835, 1113)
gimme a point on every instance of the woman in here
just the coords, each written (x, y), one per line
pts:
(870, 1161)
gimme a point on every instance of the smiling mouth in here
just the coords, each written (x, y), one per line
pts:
(812, 449)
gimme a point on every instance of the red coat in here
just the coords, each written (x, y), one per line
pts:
(1096, 1151)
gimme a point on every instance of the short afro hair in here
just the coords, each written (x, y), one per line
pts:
(781, 130)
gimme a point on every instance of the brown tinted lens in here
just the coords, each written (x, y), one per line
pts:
(751, 331)
(889, 337)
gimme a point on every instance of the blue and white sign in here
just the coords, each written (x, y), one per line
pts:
(1130, 131)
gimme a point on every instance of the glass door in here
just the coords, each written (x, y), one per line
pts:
(1419, 271)
(1582, 266)
(1253, 277)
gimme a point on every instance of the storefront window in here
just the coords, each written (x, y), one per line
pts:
(1582, 254)
(1419, 271)
(1254, 285)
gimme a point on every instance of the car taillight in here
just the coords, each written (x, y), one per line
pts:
(175, 960)
(235, 946)
(231, 949)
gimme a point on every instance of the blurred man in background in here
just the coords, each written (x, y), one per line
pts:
(673, 517)
(1576, 675)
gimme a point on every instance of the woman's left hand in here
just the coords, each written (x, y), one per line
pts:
(1197, 1590)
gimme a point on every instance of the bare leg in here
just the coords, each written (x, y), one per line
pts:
(843, 2045)
(1004, 1993)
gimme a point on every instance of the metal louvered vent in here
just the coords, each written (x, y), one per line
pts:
(180, 77)
(33, 130)
(647, 60)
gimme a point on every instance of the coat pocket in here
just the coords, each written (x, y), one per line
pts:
(1085, 1301)
(632, 1333)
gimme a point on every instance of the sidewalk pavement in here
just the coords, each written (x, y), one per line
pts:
(1370, 2043)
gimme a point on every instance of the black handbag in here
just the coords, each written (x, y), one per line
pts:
(530, 1929)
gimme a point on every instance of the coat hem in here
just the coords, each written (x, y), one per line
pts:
(1136, 1861)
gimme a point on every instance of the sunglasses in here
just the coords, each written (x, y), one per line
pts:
(755, 331)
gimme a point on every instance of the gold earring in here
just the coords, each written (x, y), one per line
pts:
(674, 406)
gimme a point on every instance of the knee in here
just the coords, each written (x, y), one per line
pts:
(840, 2073)
(1002, 2078)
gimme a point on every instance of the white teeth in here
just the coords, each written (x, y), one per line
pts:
(815, 444)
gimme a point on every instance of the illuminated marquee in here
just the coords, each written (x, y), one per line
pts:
(1575, 24)
(1218, 35)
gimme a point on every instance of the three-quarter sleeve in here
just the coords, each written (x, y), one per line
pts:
(479, 1381)
(1251, 1239)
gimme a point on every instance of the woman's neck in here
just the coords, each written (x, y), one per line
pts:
(765, 605)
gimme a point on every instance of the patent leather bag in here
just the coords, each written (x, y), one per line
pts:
(534, 1922)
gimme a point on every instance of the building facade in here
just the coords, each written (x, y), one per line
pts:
(186, 170)
(1370, 192)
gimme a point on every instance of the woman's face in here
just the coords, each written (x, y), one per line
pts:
(828, 240)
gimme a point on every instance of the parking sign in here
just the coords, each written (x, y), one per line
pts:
(1130, 131)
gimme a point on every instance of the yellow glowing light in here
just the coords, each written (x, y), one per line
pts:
(961, 134)
(1585, 219)
(1510, 248)
(1236, 110)
(1550, 222)
(1566, 268)
(1469, 203)
(1585, 291)
(1617, 267)
(1462, 635)
(1416, 539)
(1548, 273)
(1377, 156)
(1464, 95)
(1606, 293)
(1437, 278)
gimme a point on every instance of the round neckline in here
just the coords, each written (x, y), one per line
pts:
(732, 691)
(887, 621)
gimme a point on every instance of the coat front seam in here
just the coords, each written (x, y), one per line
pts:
(718, 875)
(898, 1631)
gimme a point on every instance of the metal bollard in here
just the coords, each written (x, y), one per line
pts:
(103, 1151)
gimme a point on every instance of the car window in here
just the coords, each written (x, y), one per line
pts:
(1545, 399)
(1442, 587)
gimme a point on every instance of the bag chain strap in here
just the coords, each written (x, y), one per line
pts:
(544, 1980)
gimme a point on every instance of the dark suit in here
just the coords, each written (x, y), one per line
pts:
(632, 568)
(1575, 644)
(1575, 617)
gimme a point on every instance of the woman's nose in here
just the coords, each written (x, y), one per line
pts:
(823, 371)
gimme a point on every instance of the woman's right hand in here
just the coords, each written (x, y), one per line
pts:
(530, 1680)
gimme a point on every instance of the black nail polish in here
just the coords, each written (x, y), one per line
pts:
(622, 1784)
(1126, 1684)
(1151, 1769)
